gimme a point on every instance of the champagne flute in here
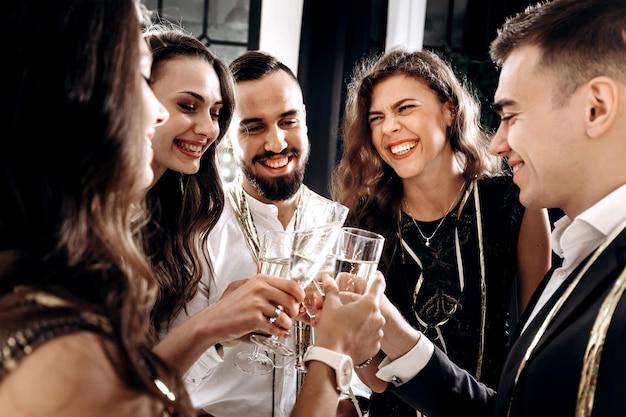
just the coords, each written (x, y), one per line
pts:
(273, 260)
(322, 222)
(253, 362)
(314, 293)
(357, 253)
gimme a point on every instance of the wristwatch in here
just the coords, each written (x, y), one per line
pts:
(342, 364)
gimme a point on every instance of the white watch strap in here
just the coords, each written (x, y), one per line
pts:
(331, 358)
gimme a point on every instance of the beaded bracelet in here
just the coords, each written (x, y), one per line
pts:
(365, 363)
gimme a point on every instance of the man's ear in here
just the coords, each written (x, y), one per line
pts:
(602, 105)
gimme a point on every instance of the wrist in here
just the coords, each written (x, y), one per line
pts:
(339, 363)
(394, 347)
(330, 342)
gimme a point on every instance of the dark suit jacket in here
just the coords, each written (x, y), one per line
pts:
(548, 386)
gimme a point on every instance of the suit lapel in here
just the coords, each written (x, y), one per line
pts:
(601, 273)
(535, 298)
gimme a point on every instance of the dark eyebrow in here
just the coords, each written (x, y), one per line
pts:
(250, 120)
(395, 105)
(258, 119)
(498, 105)
(290, 113)
(194, 95)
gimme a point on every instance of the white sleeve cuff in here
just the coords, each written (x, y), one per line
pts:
(203, 367)
(407, 366)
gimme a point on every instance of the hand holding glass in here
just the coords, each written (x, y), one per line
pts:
(273, 259)
(320, 222)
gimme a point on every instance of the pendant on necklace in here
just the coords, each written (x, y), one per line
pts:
(427, 238)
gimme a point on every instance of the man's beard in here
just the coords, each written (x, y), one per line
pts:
(275, 188)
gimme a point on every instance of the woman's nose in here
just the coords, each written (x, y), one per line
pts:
(390, 124)
(206, 125)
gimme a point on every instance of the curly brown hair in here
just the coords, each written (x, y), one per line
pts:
(362, 180)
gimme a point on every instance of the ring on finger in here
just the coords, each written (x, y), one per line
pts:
(277, 312)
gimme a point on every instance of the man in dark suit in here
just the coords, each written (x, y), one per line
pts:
(562, 102)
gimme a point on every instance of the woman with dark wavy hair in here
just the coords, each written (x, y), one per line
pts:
(76, 290)
(186, 199)
(416, 168)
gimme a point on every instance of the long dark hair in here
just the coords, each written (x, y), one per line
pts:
(184, 207)
(72, 141)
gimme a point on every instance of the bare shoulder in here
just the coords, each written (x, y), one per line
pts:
(69, 376)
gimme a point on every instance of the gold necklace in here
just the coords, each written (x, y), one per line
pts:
(427, 239)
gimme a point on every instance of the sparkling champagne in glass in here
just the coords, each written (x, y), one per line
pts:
(357, 253)
(277, 267)
(273, 260)
(320, 221)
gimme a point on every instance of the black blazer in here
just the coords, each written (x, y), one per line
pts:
(548, 386)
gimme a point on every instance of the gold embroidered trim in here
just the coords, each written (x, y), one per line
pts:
(473, 188)
(589, 377)
(235, 194)
(590, 361)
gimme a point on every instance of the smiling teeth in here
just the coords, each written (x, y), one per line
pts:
(189, 147)
(280, 164)
(516, 168)
(402, 149)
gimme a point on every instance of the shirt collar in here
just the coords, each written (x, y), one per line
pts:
(592, 226)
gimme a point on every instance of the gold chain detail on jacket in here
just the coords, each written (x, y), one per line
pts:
(589, 377)
(587, 380)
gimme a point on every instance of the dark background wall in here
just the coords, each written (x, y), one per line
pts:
(337, 33)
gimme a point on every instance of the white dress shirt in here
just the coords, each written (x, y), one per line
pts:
(214, 382)
(224, 390)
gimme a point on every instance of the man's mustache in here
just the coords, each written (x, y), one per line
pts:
(289, 153)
